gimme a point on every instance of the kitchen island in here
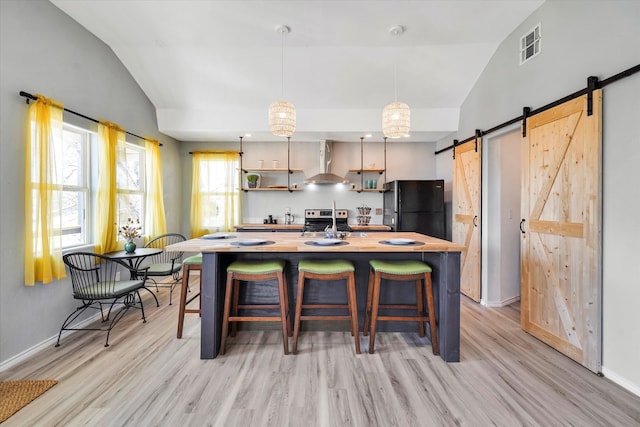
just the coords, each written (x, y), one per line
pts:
(443, 256)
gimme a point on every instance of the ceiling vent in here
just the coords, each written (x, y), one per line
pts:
(530, 44)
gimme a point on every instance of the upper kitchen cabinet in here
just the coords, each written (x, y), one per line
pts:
(270, 175)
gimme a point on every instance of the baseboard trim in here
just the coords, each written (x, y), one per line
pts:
(621, 381)
(20, 357)
(504, 303)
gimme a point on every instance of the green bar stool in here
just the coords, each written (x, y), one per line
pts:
(192, 263)
(244, 271)
(327, 270)
(404, 270)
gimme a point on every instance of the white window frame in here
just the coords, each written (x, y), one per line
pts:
(204, 194)
(141, 190)
(84, 187)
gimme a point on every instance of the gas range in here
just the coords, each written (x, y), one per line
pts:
(318, 219)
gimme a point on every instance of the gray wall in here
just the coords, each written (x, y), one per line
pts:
(580, 39)
(44, 51)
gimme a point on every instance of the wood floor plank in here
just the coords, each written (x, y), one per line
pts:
(147, 377)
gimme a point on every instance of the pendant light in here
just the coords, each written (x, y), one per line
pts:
(282, 114)
(396, 116)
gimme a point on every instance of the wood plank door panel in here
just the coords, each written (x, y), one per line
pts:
(466, 214)
(561, 239)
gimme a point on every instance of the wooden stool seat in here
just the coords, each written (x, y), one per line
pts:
(252, 271)
(327, 270)
(192, 263)
(404, 270)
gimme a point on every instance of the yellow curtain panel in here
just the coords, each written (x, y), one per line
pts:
(155, 220)
(43, 194)
(215, 192)
(111, 140)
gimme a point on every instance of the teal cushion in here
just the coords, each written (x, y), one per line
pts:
(195, 259)
(256, 266)
(400, 268)
(333, 266)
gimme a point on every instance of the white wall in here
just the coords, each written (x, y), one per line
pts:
(580, 39)
(44, 51)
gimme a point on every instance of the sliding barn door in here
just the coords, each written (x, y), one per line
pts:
(561, 240)
(466, 214)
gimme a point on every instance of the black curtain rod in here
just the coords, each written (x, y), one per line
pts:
(33, 98)
(599, 85)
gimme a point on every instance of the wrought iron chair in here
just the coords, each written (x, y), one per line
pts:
(165, 263)
(96, 282)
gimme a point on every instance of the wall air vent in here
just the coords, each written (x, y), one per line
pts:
(530, 44)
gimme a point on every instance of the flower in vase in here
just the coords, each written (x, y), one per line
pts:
(130, 230)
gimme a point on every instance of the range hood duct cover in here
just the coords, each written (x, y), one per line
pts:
(325, 176)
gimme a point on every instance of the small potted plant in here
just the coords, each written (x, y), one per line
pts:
(252, 180)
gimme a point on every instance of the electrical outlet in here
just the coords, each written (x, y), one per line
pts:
(378, 211)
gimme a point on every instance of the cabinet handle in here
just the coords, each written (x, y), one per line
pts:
(521, 224)
(475, 221)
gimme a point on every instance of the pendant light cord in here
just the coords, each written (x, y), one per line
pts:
(282, 65)
(395, 81)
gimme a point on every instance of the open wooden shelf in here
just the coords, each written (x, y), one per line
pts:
(358, 171)
(272, 170)
(271, 189)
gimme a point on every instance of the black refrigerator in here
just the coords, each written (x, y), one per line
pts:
(415, 206)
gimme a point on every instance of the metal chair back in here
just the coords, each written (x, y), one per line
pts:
(160, 242)
(96, 277)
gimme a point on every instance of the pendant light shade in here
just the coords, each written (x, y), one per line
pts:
(282, 118)
(396, 120)
(396, 116)
(282, 114)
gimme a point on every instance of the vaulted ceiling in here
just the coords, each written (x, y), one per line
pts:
(211, 68)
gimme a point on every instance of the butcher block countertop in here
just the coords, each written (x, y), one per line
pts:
(314, 242)
(299, 227)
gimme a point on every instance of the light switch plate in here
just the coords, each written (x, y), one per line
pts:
(378, 211)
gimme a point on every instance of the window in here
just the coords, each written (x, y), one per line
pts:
(130, 183)
(75, 213)
(73, 152)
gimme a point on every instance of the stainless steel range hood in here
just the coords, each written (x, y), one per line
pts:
(325, 176)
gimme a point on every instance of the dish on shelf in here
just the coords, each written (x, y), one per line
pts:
(400, 241)
(327, 242)
(217, 236)
(251, 242)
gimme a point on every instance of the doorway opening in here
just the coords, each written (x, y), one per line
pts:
(501, 188)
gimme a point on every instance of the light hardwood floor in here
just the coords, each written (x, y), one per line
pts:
(147, 377)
